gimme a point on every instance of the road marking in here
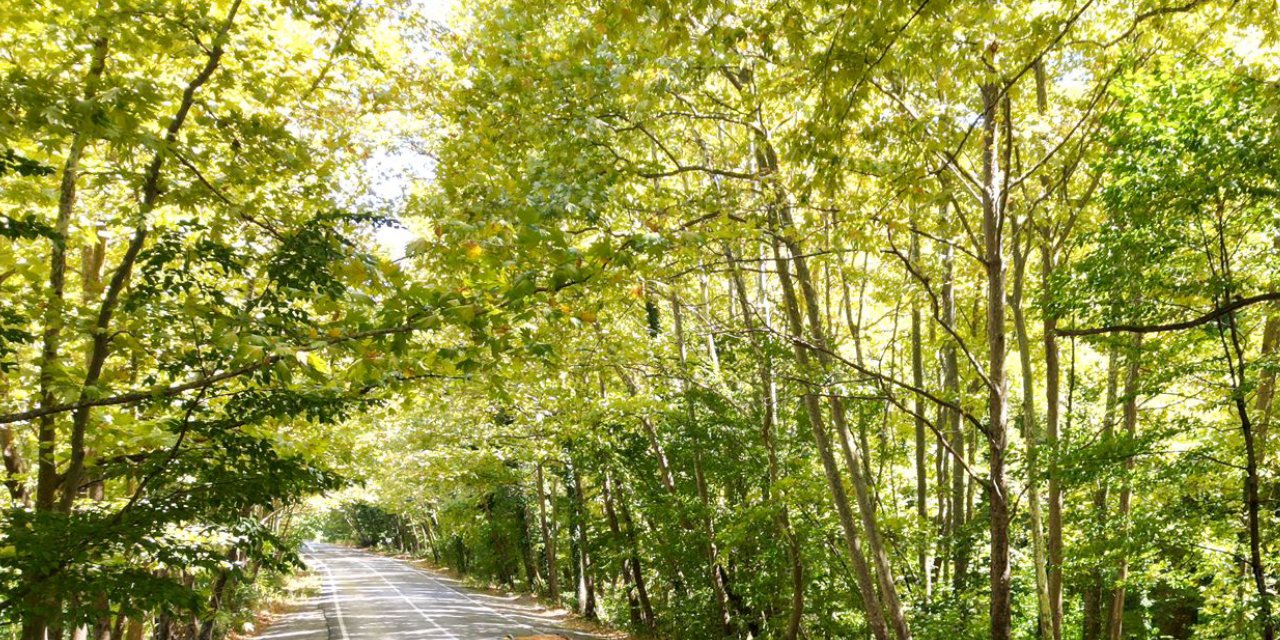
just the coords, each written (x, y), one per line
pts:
(406, 599)
(464, 594)
(333, 593)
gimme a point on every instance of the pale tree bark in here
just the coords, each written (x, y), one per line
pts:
(779, 220)
(624, 569)
(951, 388)
(1052, 386)
(637, 570)
(92, 259)
(715, 571)
(665, 475)
(37, 626)
(813, 410)
(651, 433)
(46, 464)
(993, 208)
(1031, 431)
(548, 541)
(942, 484)
(586, 571)
(1049, 326)
(854, 459)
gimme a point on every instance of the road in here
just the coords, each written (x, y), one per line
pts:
(368, 596)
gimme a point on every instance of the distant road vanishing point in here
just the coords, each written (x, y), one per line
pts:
(366, 596)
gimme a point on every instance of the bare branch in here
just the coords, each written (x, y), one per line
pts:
(1206, 318)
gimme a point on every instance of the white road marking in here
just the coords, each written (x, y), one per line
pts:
(333, 593)
(464, 594)
(406, 599)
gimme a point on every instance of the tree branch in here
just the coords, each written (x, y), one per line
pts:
(1211, 316)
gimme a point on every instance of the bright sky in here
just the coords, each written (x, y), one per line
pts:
(397, 170)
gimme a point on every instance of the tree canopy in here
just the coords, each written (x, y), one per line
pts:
(718, 318)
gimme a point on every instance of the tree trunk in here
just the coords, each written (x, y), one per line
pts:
(224, 582)
(586, 577)
(716, 574)
(769, 401)
(951, 387)
(548, 541)
(101, 342)
(611, 516)
(1093, 603)
(993, 201)
(1031, 432)
(813, 408)
(854, 460)
(1052, 387)
(35, 627)
(1115, 628)
(637, 572)
(720, 599)
(1252, 497)
(922, 471)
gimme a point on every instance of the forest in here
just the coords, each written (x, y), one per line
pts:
(707, 319)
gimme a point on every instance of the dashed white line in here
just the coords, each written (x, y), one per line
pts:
(406, 599)
(464, 594)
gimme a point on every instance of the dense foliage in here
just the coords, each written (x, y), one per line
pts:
(722, 318)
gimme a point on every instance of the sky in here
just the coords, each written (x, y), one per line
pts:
(397, 170)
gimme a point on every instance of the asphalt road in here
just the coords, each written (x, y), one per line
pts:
(367, 596)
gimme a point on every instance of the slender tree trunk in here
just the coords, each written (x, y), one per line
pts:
(716, 575)
(1031, 431)
(428, 533)
(922, 470)
(47, 476)
(1252, 497)
(222, 584)
(548, 541)
(36, 627)
(1115, 627)
(779, 215)
(101, 343)
(993, 200)
(651, 433)
(813, 408)
(532, 574)
(1093, 603)
(854, 460)
(1052, 387)
(637, 571)
(769, 401)
(951, 387)
(720, 599)
(615, 529)
(586, 572)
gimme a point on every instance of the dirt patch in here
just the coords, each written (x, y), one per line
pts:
(294, 596)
